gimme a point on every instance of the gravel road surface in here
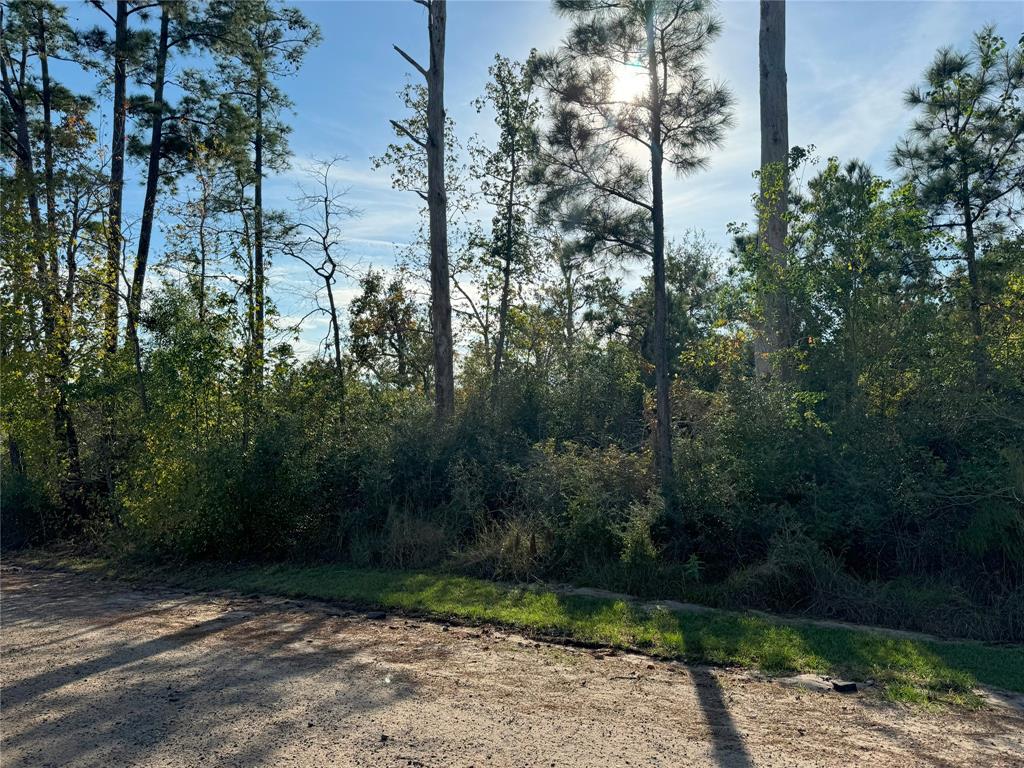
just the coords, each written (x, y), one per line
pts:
(96, 673)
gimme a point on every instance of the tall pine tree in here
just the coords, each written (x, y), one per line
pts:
(675, 116)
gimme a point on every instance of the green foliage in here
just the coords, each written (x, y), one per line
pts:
(387, 332)
(28, 515)
(880, 480)
(964, 151)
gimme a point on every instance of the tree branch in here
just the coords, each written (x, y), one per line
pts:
(412, 137)
(411, 60)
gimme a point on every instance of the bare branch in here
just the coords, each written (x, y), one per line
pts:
(412, 61)
(403, 130)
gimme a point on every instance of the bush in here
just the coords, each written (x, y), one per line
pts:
(515, 549)
(785, 499)
(585, 496)
(794, 572)
(412, 542)
(27, 515)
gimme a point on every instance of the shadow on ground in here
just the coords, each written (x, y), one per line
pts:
(126, 703)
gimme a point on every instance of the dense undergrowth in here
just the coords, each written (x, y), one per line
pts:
(879, 521)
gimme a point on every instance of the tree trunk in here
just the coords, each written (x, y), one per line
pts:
(776, 335)
(60, 321)
(202, 251)
(47, 272)
(336, 333)
(437, 204)
(259, 274)
(503, 304)
(25, 167)
(149, 203)
(568, 316)
(110, 310)
(47, 101)
(14, 454)
(63, 411)
(663, 428)
(974, 308)
(250, 312)
(506, 286)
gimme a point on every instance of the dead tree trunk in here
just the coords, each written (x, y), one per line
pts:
(775, 335)
(437, 204)
(339, 361)
(437, 208)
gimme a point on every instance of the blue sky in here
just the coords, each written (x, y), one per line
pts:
(848, 64)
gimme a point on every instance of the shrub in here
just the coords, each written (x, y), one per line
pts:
(27, 514)
(412, 542)
(515, 549)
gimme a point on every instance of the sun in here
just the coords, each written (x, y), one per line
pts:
(630, 81)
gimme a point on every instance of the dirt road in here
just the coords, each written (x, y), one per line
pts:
(100, 674)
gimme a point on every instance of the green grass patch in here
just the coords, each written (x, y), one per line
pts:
(905, 670)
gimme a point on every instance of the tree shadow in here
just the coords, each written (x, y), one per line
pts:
(728, 746)
(198, 680)
(257, 652)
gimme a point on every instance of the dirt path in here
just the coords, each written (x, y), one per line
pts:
(99, 674)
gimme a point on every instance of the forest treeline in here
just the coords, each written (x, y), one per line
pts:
(828, 417)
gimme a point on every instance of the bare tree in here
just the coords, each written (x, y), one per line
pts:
(316, 240)
(437, 205)
(775, 335)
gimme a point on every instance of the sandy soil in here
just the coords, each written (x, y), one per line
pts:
(100, 674)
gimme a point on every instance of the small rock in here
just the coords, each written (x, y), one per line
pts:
(807, 682)
(309, 724)
(383, 738)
